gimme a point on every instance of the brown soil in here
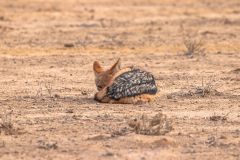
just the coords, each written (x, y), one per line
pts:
(47, 85)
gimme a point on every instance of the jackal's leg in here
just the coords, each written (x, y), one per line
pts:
(101, 96)
(137, 99)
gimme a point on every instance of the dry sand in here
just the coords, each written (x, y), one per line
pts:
(47, 82)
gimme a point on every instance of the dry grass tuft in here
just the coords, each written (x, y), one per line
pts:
(6, 125)
(156, 125)
(47, 145)
(45, 89)
(192, 42)
(219, 117)
(193, 47)
(205, 89)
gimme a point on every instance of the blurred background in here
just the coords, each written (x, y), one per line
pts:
(159, 25)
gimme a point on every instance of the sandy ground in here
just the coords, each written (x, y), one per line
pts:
(47, 82)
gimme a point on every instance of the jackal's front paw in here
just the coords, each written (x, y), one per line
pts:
(101, 98)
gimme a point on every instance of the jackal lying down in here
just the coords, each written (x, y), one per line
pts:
(123, 85)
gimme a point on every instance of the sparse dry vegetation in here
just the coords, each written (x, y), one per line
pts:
(155, 125)
(205, 89)
(45, 89)
(6, 125)
(49, 89)
(219, 117)
(194, 47)
(47, 145)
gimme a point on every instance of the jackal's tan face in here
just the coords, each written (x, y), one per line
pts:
(104, 77)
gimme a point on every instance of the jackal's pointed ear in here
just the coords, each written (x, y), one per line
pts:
(97, 67)
(116, 67)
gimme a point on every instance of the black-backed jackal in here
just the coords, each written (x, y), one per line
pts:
(123, 85)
